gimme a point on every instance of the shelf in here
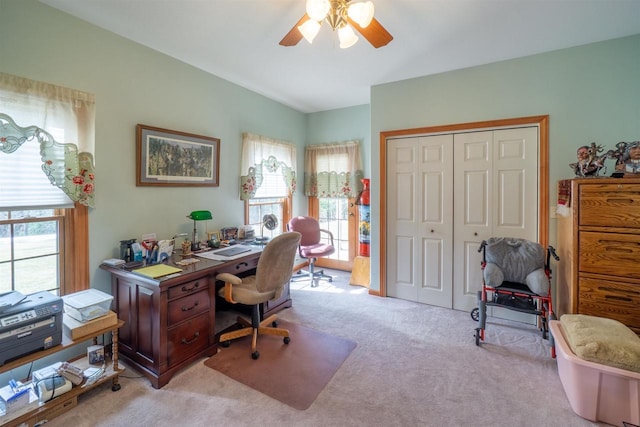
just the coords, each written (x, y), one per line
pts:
(66, 343)
(68, 400)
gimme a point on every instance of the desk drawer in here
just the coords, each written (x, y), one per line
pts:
(604, 298)
(188, 288)
(187, 307)
(240, 266)
(613, 254)
(610, 205)
(188, 339)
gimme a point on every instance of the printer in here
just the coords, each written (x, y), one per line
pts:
(29, 323)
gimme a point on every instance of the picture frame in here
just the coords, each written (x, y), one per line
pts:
(213, 235)
(172, 158)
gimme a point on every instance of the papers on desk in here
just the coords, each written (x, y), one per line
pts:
(229, 253)
(157, 270)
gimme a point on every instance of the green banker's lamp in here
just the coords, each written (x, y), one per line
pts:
(198, 216)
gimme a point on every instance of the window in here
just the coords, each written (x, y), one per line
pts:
(46, 184)
(258, 208)
(334, 216)
(268, 181)
(31, 250)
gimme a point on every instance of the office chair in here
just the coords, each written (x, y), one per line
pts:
(274, 271)
(311, 247)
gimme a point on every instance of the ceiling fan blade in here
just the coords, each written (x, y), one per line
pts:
(294, 35)
(377, 35)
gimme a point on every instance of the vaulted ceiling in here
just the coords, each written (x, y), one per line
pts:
(238, 39)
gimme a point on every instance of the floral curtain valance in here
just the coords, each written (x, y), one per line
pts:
(261, 155)
(333, 170)
(61, 121)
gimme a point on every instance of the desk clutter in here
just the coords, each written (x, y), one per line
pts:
(136, 254)
(33, 323)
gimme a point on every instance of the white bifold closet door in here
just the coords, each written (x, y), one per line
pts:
(447, 193)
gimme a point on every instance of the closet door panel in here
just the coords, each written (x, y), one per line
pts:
(516, 176)
(473, 201)
(421, 169)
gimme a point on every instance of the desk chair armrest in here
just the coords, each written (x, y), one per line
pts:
(329, 233)
(229, 280)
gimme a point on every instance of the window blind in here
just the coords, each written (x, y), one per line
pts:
(34, 191)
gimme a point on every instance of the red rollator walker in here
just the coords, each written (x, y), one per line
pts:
(516, 275)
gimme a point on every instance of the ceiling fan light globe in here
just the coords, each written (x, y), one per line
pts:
(361, 12)
(309, 30)
(318, 9)
(347, 37)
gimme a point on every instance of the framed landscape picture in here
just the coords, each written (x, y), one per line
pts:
(171, 158)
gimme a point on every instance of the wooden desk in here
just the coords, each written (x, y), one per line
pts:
(170, 322)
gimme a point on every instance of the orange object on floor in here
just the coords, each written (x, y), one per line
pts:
(360, 275)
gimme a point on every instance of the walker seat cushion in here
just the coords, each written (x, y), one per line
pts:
(601, 340)
(515, 260)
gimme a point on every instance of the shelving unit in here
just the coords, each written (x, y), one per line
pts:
(67, 401)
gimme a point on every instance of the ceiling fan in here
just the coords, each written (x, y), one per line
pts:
(343, 16)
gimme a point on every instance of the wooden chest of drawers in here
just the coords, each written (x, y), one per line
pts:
(599, 248)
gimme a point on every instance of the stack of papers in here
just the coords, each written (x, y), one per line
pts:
(157, 270)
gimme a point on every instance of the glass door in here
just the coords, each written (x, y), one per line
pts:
(339, 216)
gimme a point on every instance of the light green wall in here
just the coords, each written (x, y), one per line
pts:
(134, 84)
(591, 93)
(342, 124)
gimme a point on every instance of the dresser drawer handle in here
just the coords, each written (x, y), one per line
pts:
(190, 308)
(191, 341)
(619, 249)
(194, 287)
(618, 246)
(625, 201)
(242, 264)
(617, 298)
(614, 290)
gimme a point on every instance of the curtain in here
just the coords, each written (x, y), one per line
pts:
(333, 170)
(61, 121)
(261, 155)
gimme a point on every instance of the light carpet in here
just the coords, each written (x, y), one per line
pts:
(293, 373)
(415, 365)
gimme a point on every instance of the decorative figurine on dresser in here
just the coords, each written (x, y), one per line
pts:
(592, 164)
(632, 158)
(589, 164)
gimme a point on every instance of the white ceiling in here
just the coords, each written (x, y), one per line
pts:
(238, 39)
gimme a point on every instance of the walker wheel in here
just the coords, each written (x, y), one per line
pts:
(477, 336)
(286, 340)
(475, 314)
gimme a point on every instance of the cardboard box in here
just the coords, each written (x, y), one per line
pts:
(75, 329)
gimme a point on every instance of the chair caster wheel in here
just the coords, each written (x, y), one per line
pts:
(255, 355)
(274, 323)
(286, 340)
(115, 387)
(225, 344)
